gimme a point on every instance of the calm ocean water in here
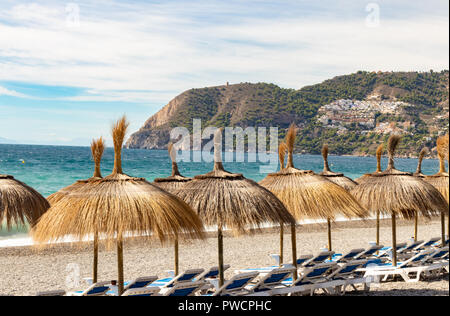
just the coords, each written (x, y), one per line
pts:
(50, 168)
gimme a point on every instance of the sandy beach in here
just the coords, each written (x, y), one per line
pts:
(25, 271)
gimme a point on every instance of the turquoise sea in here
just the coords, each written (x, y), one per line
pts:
(50, 168)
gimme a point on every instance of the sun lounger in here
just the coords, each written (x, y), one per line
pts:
(236, 285)
(270, 281)
(349, 256)
(183, 289)
(149, 291)
(212, 273)
(348, 273)
(52, 293)
(311, 279)
(414, 265)
(369, 252)
(318, 259)
(140, 283)
(386, 252)
(429, 243)
(437, 256)
(187, 276)
(97, 289)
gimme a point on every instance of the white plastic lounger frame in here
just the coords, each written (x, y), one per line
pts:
(413, 265)
(347, 273)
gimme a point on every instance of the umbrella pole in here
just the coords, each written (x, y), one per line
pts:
(281, 244)
(95, 264)
(378, 228)
(177, 265)
(394, 240)
(120, 265)
(220, 247)
(443, 228)
(294, 250)
(329, 234)
(416, 225)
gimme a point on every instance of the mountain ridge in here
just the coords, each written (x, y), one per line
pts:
(368, 98)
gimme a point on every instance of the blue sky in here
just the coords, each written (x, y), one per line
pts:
(68, 69)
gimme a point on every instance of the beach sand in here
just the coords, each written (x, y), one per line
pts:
(25, 271)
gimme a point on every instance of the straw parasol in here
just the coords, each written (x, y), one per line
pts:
(97, 149)
(337, 178)
(440, 180)
(116, 205)
(229, 200)
(419, 174)
(398, 193)
(171, 184)
(308, 195)
(362, 179)
(19, 203)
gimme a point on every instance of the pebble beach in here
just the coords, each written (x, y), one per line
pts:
(28, 270)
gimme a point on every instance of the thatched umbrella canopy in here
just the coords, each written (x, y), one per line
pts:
(116, 205)
(419, 174)
(308, 195)
(171, 184)
(97, 149)
(441, 180)
(229, 200)
(398, 193)
(19, 203)
(337, 178)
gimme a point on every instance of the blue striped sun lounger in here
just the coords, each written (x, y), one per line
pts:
(183, 289)
(310, 279)
(187, 276)
(349, 256)
(97, 289)
(236, 285)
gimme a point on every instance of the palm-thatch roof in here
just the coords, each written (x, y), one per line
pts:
(308, 195)
(379, 154)
(441, 180)
(176, 181)
(422, 155)
(118, 204)
(335, 177)
(19, 203)
(230, 200)
(97, 149)
(397, 192)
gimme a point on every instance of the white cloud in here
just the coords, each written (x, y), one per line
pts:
(11, 93)
(143, 53)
